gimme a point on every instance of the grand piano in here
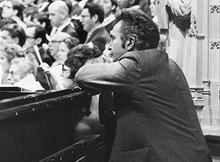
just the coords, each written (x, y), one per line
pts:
(41, 126)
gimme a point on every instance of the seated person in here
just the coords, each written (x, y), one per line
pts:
(12, 9)
(12, 33)
(56, 69)
(64, 48)
(77, 57)
(7, 53)
(21, 73)
(29, 14)
(53, 49)
(36, 36)
(55, 41)
(42, 19)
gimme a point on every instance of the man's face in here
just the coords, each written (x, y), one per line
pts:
(116, 43)
(86, 20)
(62, 52)
(107, 6)
(55, 16)
(7, 10)
(30, 40)
(123, 3)
(6, 38)
(4, 62)
(14, 75)
(54, 47)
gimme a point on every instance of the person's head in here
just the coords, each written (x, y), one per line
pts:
(109, 6)
(12, 33)
(133, 30)
(9, 52)
(78, 56)
(58, 13)
(91, 16)
(127, 3)
(29, 14)
(42, 19)
(64, 48)
(12, 8)
(19, 69)
(36, 35)
(55, 42)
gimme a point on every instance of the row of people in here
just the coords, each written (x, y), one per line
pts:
(34, 36)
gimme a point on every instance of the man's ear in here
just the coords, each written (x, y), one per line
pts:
(43, 24)
(15, 12)
(16, 40)
(62, 14)
(38, 41)
(95, 18)
(130, 43)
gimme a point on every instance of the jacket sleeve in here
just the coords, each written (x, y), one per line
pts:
(120, 76)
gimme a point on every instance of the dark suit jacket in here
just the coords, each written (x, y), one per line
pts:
(70, 29)
(99, 37)
(156, 117)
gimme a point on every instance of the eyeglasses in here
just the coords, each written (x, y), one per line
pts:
(55, 41)
(30, 37)
(4, 6)
(84, 16)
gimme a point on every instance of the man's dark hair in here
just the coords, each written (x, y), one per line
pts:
(114, 3)
(30, 11)
(15, 31)
(39, 32)
(19, 7)
(136, 23)
(95, 9)
(136, 2)
(69, 5)
(79, 55)
(44, 18)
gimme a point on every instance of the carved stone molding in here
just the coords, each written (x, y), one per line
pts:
(214, 9)
(206, 90)
(215, 45)
(197, 97)
(193, 31)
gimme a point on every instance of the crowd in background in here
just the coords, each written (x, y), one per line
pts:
(44, 43)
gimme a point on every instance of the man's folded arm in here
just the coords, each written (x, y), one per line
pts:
(118, 76)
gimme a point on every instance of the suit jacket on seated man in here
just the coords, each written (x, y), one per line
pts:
(156, 120)
(92, 16)
(59, 17)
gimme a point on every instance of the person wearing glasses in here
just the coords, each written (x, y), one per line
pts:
(22, 73)
(91, 18)
(59, 46)
(12, 33)
(13, 10)
(77, 57)
(7, 53)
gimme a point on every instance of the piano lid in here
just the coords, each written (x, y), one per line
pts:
(35, 100)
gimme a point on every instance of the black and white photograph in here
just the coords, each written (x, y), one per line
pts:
(109, 80)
